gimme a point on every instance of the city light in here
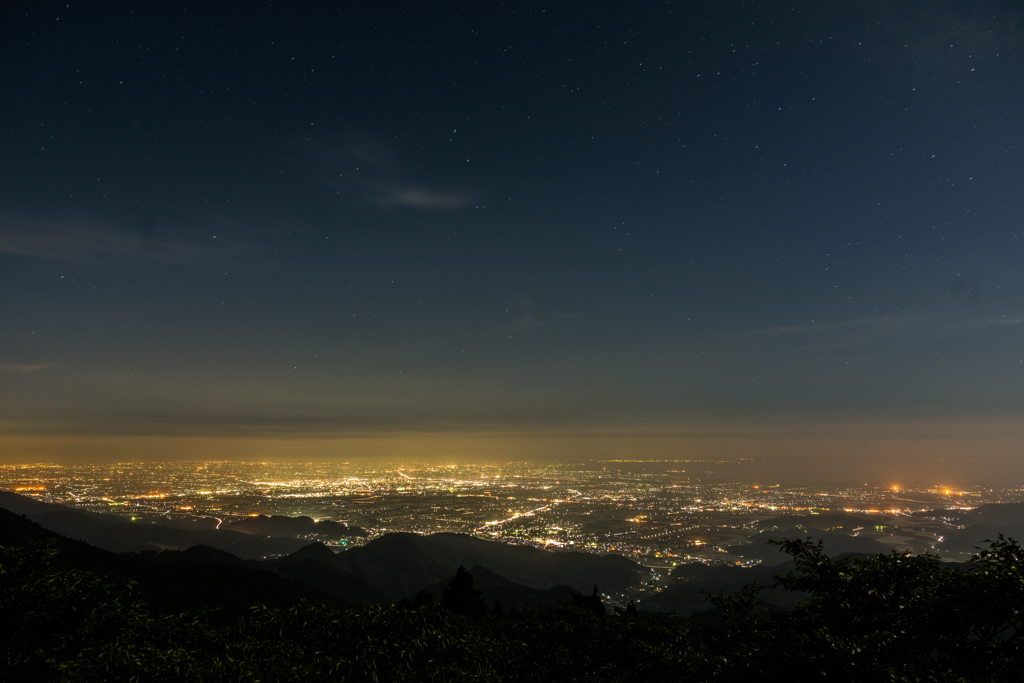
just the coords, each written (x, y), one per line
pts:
(644, 515)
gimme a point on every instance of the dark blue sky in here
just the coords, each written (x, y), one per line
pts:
(268, 220)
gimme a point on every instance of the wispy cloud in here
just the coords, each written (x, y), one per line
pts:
(23, 368)
(87, 243)
(523, 323)
(523, 319)
(873, 327)
(358, 164)
(424, 199)
(907, 327)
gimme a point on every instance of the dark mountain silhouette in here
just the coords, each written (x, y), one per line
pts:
(316, 565)
(969, 539)
(538, 568)
(687, 594)
(197, 553)
(982, 523)
(995, 513)
(835, 544)
(23, 505)
(277, 525)
(513, 597)
(401, 564)
(990, 513)
(119, 534)
(385, 570)
(175, 581)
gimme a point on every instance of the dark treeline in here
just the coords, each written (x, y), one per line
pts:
(891, 617)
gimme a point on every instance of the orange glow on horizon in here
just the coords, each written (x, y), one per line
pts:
(785, 450)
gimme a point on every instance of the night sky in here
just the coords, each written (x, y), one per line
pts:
(782, 231)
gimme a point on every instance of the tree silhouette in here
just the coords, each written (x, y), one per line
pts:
(894, 617)
(460, 597)
(590, 603)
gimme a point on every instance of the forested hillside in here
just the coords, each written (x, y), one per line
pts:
(889, 617)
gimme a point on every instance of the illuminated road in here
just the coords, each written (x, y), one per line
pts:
(528, 513)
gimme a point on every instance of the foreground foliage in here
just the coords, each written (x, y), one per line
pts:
(886, 618)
